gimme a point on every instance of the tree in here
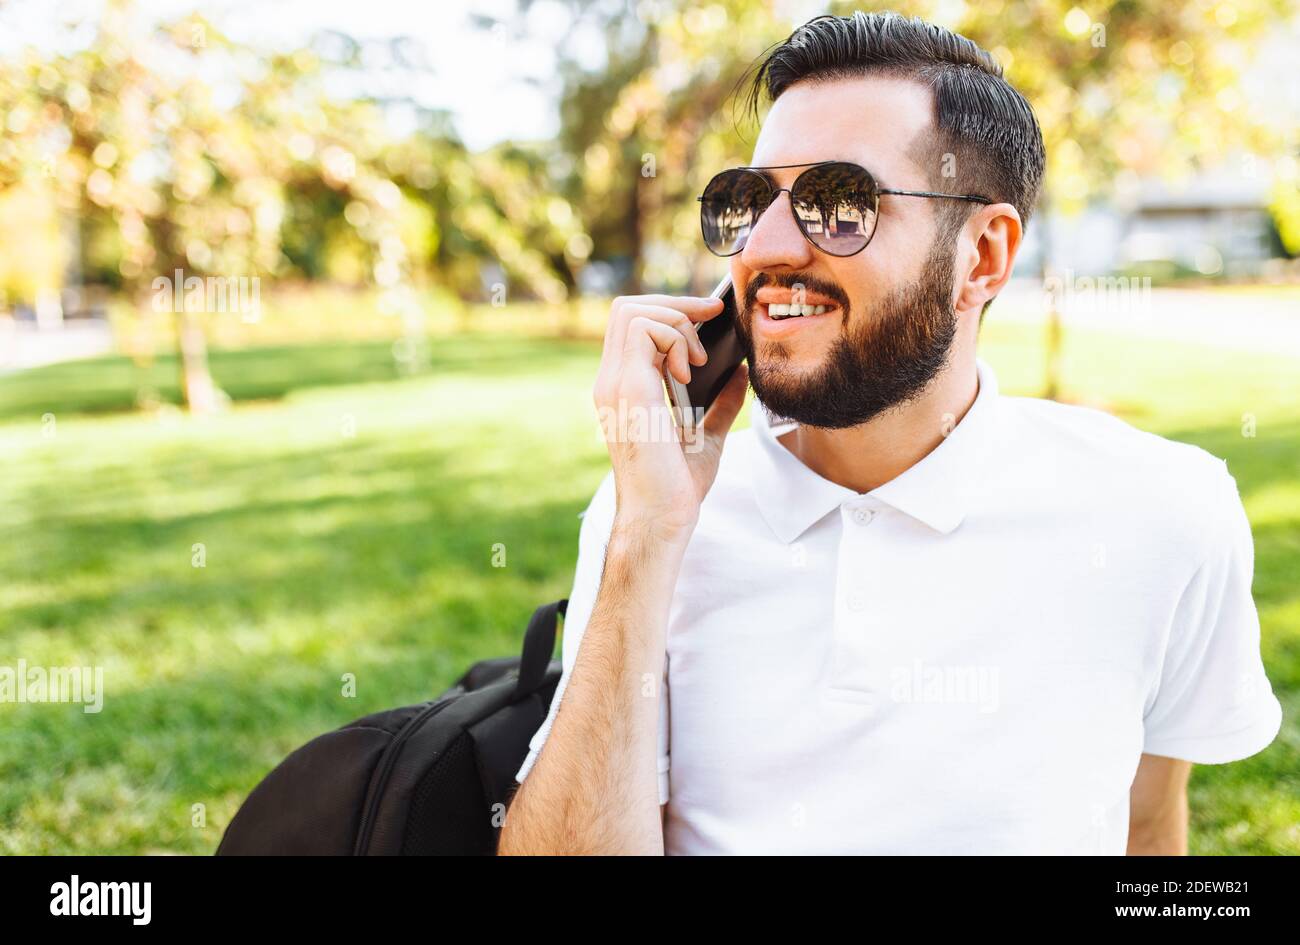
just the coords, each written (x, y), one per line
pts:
(185, 178)
(1126, 90)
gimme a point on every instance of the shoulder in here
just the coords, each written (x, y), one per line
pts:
(1103, 463)
(1104, 442)
(733, 487)
(738, 451)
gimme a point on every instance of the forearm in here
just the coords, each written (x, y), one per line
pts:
(1167, 838)
(1158, 808)
(1159, 829)
(594, 786)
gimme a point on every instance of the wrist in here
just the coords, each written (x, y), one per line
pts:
(650, 529)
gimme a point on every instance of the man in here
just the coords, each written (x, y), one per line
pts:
(906, 613)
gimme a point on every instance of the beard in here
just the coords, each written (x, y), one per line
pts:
(882, 359)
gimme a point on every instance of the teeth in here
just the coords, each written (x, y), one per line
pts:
(794, 311)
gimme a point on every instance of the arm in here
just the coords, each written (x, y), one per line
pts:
(1212, 702)
(594, 787)
(1158, 807)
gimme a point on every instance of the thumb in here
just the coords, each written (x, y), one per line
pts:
(722, 412)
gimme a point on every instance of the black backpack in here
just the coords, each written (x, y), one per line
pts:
(433, 778)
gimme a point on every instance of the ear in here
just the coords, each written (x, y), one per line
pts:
(987, 254)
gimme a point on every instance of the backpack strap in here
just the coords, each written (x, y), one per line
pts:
(539, 645)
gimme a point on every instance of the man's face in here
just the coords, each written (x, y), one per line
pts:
(892, 322)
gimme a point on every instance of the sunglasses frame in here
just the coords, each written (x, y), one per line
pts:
(776, 191)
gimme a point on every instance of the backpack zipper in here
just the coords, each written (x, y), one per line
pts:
(390, 759)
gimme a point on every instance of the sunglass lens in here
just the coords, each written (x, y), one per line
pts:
(836, 206)
(731, 205)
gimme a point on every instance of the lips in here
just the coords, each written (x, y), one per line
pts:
(767, 323)
(785, 310)
(777, 311)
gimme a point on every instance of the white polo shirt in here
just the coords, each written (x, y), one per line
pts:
(969, 659)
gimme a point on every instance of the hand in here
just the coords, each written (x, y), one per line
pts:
(659, 480)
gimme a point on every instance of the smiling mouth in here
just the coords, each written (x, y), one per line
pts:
(778, 312)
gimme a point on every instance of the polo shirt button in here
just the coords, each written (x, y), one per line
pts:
(863, 516)
(857, 600)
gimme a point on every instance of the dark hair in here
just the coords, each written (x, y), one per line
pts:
(986, 126)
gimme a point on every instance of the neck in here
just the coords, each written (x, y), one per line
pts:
(869, 455)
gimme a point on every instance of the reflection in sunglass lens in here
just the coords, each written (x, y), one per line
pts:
(836, 207)
(731, 205)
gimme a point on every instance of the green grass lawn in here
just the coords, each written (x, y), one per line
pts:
(348, 517)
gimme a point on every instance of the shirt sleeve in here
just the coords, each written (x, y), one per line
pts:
(1213, 702)
(593, 537)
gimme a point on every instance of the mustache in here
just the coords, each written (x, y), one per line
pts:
(763, 280)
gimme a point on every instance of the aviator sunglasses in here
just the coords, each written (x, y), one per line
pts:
(834, 203)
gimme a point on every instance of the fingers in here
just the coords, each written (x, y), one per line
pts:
(647, 337)
(701, 308)
(678, 320)
(683, 312)
(614, 363)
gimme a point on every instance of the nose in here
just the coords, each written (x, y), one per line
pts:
(776, 241)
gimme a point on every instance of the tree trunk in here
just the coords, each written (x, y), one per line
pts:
(197, 389)
(635, 227)
(1051, 290)
(464, 314)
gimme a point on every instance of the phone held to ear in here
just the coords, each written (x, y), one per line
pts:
(718, 335)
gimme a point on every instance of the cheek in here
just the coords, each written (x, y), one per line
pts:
(862, 279)
(740, 277)
(900, 248)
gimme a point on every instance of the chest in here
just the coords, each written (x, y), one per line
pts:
(868, 667)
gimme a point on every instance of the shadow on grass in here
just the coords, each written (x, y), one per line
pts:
(209, 736)
(112, 384)
(394, 585)
(391, 515)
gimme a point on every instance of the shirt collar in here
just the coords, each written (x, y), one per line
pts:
(937, 490)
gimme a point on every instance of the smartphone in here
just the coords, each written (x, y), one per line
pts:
(718, 335)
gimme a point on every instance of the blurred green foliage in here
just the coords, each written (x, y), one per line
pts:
(173, 147)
